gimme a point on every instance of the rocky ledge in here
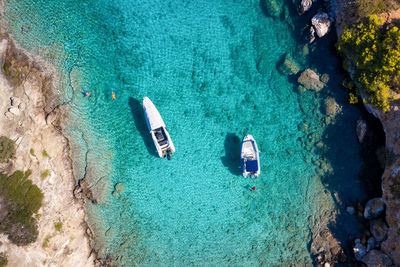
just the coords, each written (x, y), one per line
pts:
(30, 117)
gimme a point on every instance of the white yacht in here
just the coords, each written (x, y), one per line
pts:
(158, 130)
(249, 157)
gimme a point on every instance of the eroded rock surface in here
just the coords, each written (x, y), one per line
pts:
(321, 23)
(361, 130)
(374, 208)
(310, 80)
(376, 258)
(378, 229)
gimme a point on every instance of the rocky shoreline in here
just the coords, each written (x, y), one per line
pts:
(383, 214)
(31, 117)
(380, 238)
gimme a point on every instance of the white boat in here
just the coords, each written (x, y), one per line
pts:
(250, 157)
(158, 130)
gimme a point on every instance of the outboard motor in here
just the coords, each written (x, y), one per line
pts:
(168, 155)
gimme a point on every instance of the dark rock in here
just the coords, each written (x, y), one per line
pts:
(378, 229)
(311, 36)
(370, 243)
(361, 130)
(376, 258)
(359, 250)
(374, 208)
(351, 210)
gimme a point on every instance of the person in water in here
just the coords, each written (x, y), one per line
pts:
(112, 94)
(253, 188)
(86, 92)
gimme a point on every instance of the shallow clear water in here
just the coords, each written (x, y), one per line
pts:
(210, 68)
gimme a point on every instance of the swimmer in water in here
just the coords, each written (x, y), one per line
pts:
(86, 92)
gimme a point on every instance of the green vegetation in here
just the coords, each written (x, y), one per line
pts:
(3, 260)
(46, 241)
(44, 153)
(374, 54)
(32, 152)
(7, 148)
(44, 174)
(20, 200)
(58, 226)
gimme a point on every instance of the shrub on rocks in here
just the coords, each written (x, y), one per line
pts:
(373, 54)
(7, 148)
(20, 199)
(3, 260)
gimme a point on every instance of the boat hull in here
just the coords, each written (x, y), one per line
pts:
(158, 131)
(250, 157)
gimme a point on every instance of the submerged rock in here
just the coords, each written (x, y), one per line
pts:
(304, 6)
(325, 78)
(351, 210)
(377, 258)
(289, 65)
(378, 229)
(119, 187)
(361, 130)
(359, 250)
(374, 208)
(332, 108)
(273, 8)
(310, 80)
(321, 23)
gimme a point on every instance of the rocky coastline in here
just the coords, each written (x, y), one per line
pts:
(30, 116)
(380, 238)
(382, 213)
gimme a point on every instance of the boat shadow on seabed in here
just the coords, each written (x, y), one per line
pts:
(141, 126)
(231, 159)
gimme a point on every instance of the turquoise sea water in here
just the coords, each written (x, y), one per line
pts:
(211, 69)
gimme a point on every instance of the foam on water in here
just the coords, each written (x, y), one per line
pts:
(210, 68)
